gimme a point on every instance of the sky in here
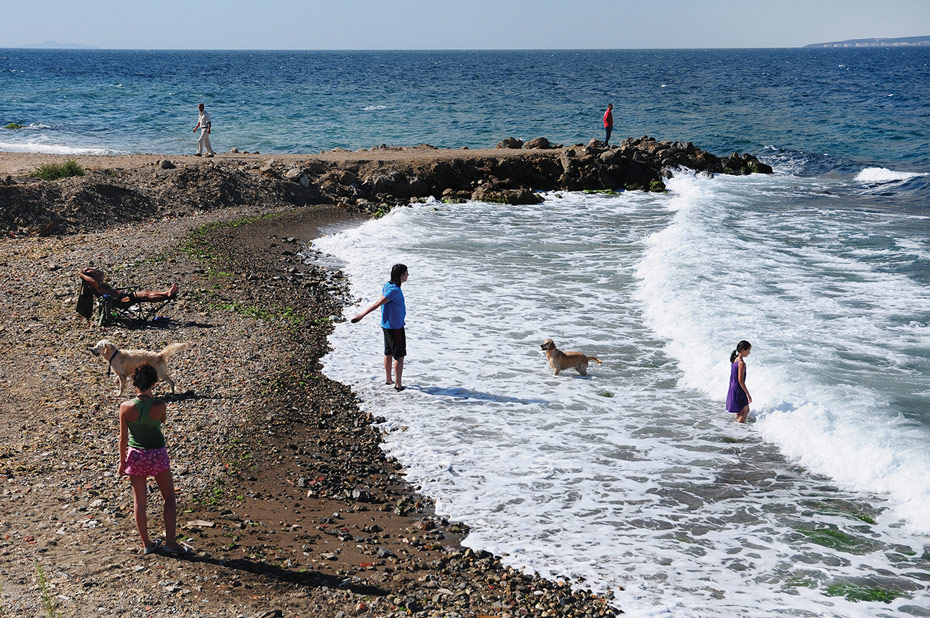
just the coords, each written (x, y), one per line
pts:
(456, 24)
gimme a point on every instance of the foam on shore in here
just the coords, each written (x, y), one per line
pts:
(634, 476)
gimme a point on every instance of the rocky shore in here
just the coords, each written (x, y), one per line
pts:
(284, 493)
(142, 188)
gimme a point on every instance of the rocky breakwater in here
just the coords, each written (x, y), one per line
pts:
(510, 175)
(372, 180)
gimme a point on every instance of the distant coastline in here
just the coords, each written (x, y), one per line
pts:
(56, 45)
(908, 41)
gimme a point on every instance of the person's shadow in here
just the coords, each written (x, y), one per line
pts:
(457, 392)
(301, 578)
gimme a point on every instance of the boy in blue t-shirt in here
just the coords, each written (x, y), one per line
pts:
(393, 313)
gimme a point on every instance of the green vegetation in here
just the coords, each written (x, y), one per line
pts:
(13, 125)
(288, 315)
(856, 593)
(835, 539)
(657, 186)
(55, 171)
(48, 603)
(382, 210)
(200, 247)
(216, 496)
(607, 394)
(800, 582)
(600, 192)
(840, 508)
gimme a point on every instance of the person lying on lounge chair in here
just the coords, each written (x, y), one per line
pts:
(96, 279)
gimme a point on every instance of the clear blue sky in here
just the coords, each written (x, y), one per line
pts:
(459, 24)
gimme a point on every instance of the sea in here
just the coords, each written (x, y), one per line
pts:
(632, 481)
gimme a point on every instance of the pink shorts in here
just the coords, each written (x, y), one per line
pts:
(146, 462)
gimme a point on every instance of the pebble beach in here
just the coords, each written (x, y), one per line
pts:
(285, 496)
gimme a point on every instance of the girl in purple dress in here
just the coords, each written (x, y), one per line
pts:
(738, 398)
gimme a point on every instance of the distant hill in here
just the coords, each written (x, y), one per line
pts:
(908, 41)
(57, 45)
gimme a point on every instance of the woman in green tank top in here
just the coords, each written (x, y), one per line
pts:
(142, 454)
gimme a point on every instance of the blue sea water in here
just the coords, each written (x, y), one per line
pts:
(868, 105)
(633, 480)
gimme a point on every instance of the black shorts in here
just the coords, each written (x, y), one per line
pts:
(395, 342)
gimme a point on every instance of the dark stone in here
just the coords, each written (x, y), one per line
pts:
(540, 143)
(510, 142)
(493, 194)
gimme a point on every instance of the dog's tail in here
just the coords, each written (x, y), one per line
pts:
(595, 359)
(172, 348)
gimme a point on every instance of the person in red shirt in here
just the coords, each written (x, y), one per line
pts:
(608, 122)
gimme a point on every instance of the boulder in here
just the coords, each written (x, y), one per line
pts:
(568, 161)
(234, 150)
(510, 142)
(609, 157)
(488, 192)
(165, 164)
(268, 172)
(596, 143)
(540, 143)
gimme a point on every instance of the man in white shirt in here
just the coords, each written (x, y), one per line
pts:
(203, 123)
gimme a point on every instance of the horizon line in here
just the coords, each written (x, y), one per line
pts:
(384, 49)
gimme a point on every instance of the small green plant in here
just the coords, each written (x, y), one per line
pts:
(55, 171)
(800, 582)
(856, 593)
(840, 508)
(657, 186)
(835, 539)
(382, 210)
(13, 125)
(47, 601)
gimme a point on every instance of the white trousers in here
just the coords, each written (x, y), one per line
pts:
(204, 143)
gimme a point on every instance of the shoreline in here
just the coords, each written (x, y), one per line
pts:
(284, 492)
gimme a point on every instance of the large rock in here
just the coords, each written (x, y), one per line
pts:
(510, 142)
(568, 161)
(488, 192)
(540, 143)
(268, 171)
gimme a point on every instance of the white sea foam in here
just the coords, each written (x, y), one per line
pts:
(823, 321)
(874, 175)
(373, 108)
(44, 148)
(634, 476)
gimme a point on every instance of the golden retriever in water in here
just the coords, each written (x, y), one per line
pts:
(560, 360)
(124, 362)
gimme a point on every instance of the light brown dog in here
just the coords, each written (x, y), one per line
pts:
(124, 362)
(560, 360)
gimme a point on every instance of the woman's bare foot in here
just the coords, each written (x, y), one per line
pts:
(173, 291)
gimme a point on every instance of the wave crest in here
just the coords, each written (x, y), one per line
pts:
(883, 174)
